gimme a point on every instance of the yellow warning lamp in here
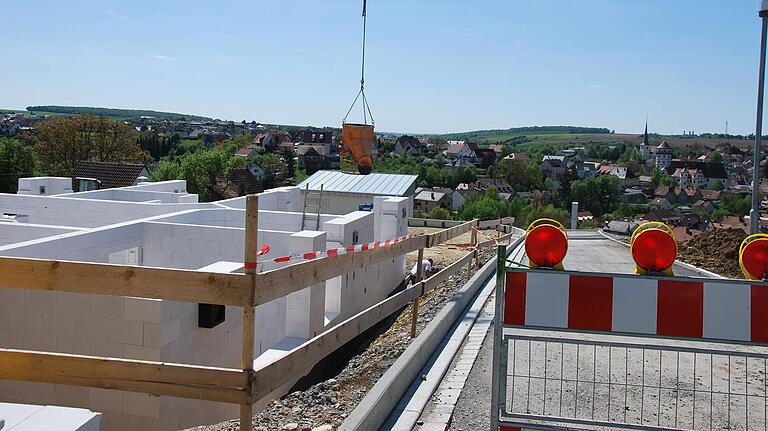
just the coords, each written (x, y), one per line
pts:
(654, 248)
(753, 257)
(546, 244)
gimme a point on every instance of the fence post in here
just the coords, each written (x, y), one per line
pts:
(473, 243)
(249, 311)
(501, 274)
(415, 307)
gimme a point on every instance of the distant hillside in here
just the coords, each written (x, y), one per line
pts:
(513, 135)
(121, 114)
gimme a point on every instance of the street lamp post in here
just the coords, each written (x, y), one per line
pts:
(754, 213)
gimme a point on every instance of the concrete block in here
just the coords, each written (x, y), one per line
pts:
(28, 321)
(141, 404)
(62, 325)
(110, 307)
(201, 246)
(173, 309)
(186, 260)
(159, 335)
(39, 300)
(16, 391)
(12, 298)
(123, 422)
(107, 349)
(75, 346)
(187, 232)
(106, 400)
(73, 303)
(171, 244)
(142, 353)
(158, 258)
(126, 331)
(41, 342)
(144, 310)
(72, 396)
(92, 328)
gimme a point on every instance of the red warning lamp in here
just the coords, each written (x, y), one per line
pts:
(546, 244)
(753, 257)
(654, 248)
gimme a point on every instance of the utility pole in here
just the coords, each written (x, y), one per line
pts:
(754, 213)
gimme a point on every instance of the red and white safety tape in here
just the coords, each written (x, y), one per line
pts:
(336, 251)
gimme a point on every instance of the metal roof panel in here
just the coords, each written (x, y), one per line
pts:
(376, 184)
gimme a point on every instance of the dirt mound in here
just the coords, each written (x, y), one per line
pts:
(715, 250)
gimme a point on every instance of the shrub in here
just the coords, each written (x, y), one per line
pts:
(440, 213)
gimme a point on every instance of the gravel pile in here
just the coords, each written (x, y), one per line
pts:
(325, 405)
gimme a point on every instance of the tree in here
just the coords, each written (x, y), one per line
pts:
(587, 224)
(534, 211)
(718, 185)
(463, 174)
(16, 160)
(290, 163)
(440, 213)
(523, 176)
(206, 172)
(716, 157)
(61, 143)
(597, 195)
(660, 177)
(489, 206)
(166, 170)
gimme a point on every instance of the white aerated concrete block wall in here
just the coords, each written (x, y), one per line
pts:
(305, 309)
(44, 186)
(175, 235)
(392, 214)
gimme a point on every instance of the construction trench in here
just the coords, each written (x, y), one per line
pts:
(327, 396)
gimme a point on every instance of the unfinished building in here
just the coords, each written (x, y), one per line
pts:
(161, 225)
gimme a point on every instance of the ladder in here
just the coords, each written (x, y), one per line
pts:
(314, 206)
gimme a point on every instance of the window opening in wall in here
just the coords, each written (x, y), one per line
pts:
(42, 190)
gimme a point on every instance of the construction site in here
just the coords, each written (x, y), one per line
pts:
(327, 305)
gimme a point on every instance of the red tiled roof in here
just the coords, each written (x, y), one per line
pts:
(111, 174)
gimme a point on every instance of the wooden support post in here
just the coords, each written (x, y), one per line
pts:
(415, 307)
(472, 243)
(250, 254)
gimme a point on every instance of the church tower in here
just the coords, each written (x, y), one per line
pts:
(645, 147)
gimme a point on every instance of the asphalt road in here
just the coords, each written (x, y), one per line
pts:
(590, 379)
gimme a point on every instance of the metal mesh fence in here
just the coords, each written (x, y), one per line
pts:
(606, 382)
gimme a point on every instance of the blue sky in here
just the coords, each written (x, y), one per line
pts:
(433, 65)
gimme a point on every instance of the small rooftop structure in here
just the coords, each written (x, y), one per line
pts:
(373, 184)
(350, 192)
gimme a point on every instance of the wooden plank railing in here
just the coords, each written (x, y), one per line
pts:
(240, 386)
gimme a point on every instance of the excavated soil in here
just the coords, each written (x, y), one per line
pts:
(715, 250)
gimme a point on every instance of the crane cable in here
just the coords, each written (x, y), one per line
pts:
(366, 108)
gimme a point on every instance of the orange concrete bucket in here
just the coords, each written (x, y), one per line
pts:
(359, 138)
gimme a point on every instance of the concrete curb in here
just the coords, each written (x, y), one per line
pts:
(384, 396)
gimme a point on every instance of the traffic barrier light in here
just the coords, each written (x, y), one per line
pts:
(654, 248)
(546, 244)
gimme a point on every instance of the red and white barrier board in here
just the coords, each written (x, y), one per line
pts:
(666, 306)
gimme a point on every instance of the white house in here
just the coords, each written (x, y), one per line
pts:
(459, 150)
(663, 155)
